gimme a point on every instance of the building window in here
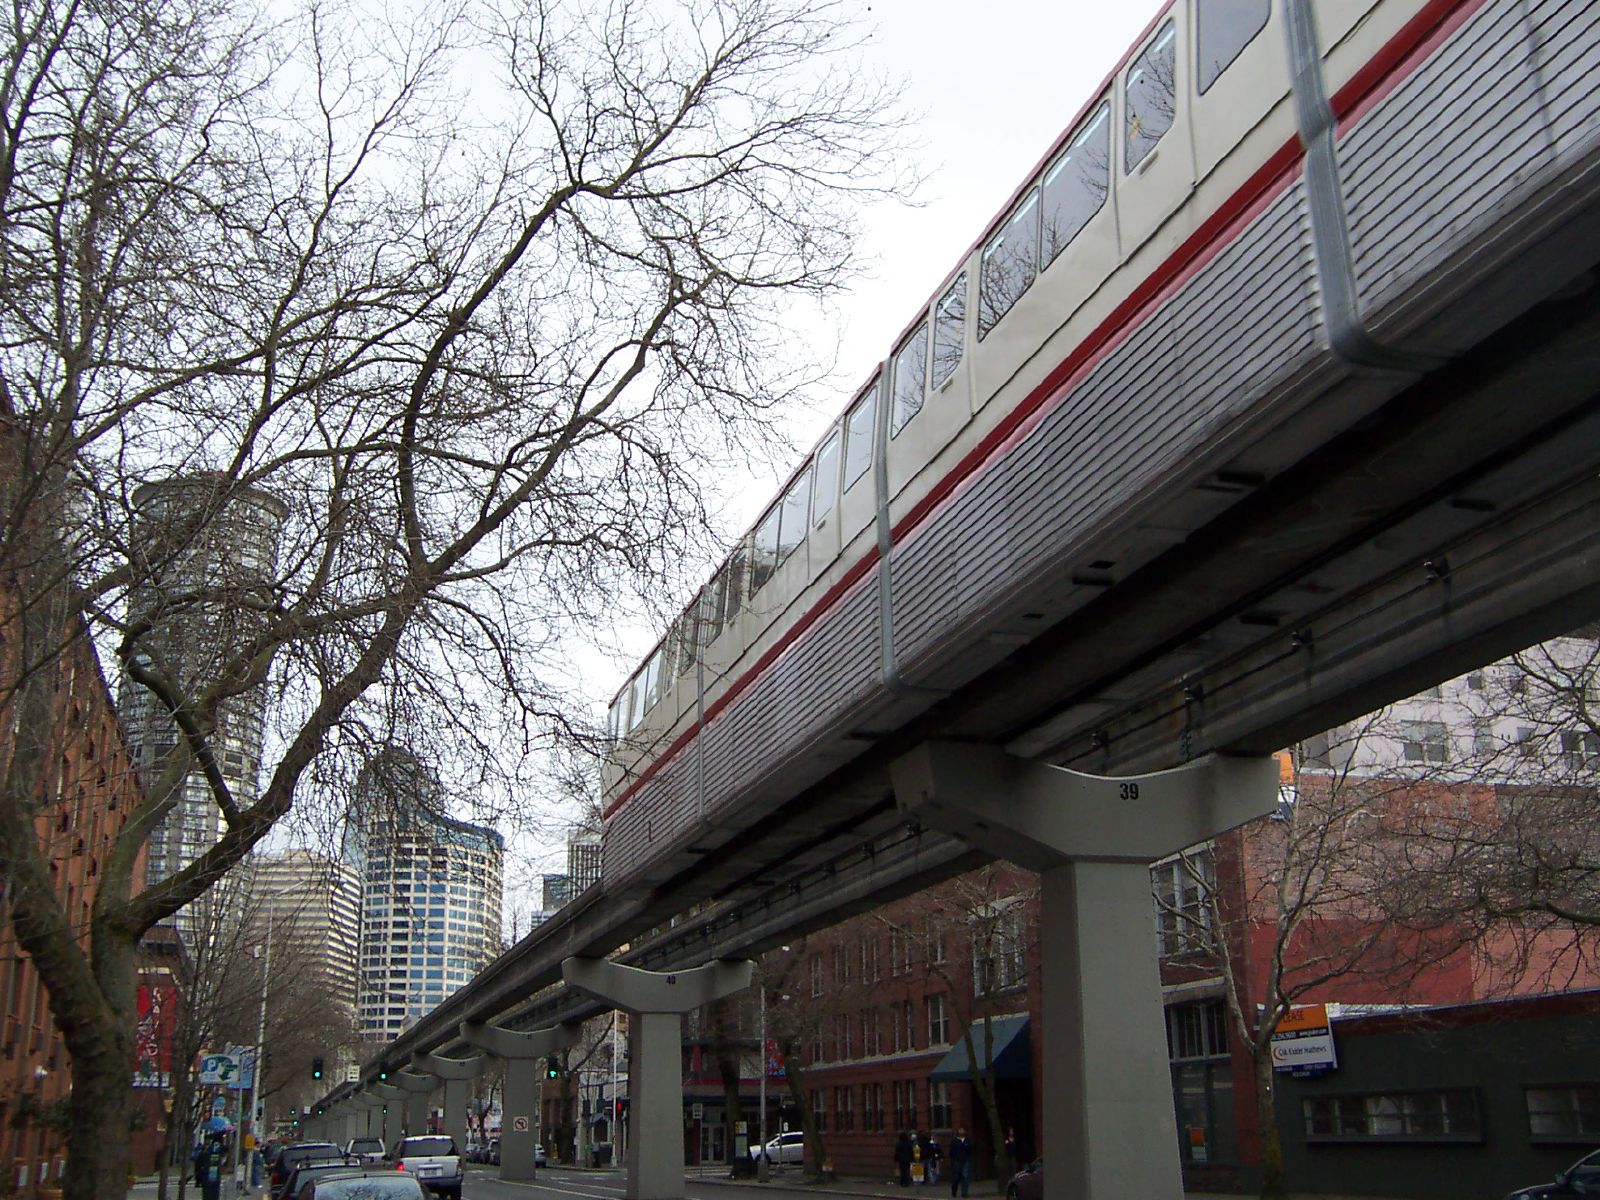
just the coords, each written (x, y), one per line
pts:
(1202, 1082)
(1563, 1113)
(938, 951)
(1425, 741)
(899, 952)
(872, 1116)
(999, 953)
(910, 1024)
(1445, 1115)
(846, 1111)
(870, 965)
(901, 1111)
(1580, 749)
(819, 1109)
(939, 1106)
(1182, 887)
(938, 1022)
(816, 974)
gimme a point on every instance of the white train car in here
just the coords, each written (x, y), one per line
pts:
(1268, 220)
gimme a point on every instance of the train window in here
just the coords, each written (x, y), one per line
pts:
(1150, 96)
(652, 681)
(949, 331)
(1075, 187)
(635, 701)
(711, 610)
(796, 509)
(685, 631)
(827, 488)
(910, 369)
(764, 557)
(732, 593)
(1225, 28)
(1010, 261)
(858, 436)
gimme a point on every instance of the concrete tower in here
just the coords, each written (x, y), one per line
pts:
(206, 548)
(430, 894)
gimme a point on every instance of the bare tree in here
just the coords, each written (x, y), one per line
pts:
(487, 337)
(975, 936)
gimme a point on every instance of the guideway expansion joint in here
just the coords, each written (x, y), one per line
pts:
(1107, 1088)
(655, 1002)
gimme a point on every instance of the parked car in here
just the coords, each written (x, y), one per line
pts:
(1582, 1178)
(1028, 1183)
(786, 1148)
(491, 1152)
(365, 1185)
(539, 1159)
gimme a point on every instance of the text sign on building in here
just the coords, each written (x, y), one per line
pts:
(352, 1073)
(1304, 1040)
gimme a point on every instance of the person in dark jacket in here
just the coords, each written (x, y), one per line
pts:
(960, 1163)
(931, 1157)
(902, 1158)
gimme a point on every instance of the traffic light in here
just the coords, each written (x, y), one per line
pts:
(552, 1068)
(316, 1067)
(383, 1074)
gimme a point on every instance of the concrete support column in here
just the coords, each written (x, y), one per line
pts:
(1109, 1127)
(391, 1114)
(457, 1074)
(418, 1090)
(519, 1128)
(655, 1003)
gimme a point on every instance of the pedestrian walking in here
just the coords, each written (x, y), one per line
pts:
(960, 1163)
(932, 1157)
(902, 1158)
(1014, 1150)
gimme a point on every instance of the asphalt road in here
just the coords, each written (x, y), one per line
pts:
(612, 1185)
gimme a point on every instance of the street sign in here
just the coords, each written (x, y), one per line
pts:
(352, 1073)
(218, 1069)
(519, 1124)
(697, 1112)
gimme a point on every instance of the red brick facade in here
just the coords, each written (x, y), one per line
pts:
(90, 790)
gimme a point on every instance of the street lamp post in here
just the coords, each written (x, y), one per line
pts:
(256, 1067)
(762, 1168)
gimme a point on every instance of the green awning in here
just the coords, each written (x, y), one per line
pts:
(1012, 1049)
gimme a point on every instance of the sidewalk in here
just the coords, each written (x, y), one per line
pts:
(790, 1178)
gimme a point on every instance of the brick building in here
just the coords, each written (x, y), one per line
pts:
(89, 791)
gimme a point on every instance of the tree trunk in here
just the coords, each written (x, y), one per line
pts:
(1271, 1149)
(102, 1061)
(794, 1076)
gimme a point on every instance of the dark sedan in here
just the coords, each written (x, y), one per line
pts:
(1582, 1178)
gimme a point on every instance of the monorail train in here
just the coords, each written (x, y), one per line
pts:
(1269, 220)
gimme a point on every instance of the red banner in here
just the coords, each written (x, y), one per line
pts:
(152, 1053)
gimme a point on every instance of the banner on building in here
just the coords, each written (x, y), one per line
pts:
(774, 1060)
(153, 1035)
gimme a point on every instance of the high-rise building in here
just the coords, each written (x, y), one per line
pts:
(583, 860)
(430, 894)
(312, 905)
(198, 538)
